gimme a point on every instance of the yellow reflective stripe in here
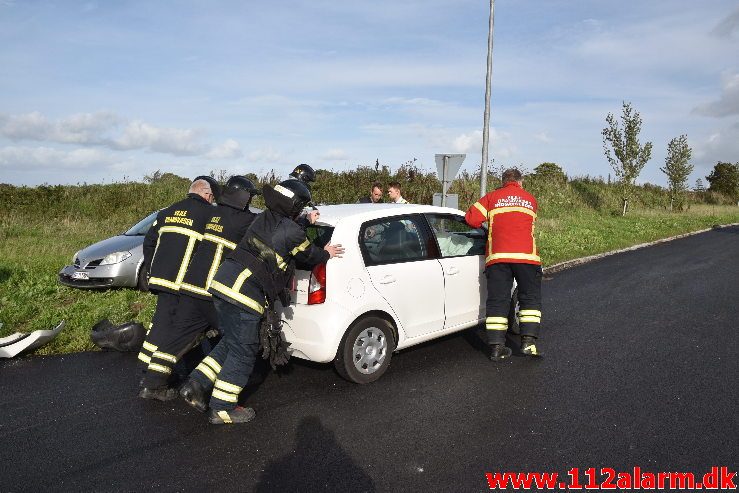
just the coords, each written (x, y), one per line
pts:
(481, 208)
(193, 289)
(149, 346)
(515, 256)
(228, 387)
(224, 416)
(207, 372)
(219, 240)
(241, 279)
(143, 357)
(224, 396)
(530, 312)
(499, 320)
(503, 210)
(300, 247)
(280, 262)
(163, 282)
(180, 230)
(185, 260)
(496, 326)
(165, 356)
(237, 296)
(160, 368)
(212, 363)
(535, 320)
(214, 266)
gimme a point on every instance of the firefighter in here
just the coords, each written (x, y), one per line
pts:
(245, 289)
(510, 253)
(196, 314)
(168, 248)
(304, 173)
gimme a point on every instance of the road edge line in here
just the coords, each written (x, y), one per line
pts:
(584, 260)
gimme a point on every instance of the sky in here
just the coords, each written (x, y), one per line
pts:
(100, 91)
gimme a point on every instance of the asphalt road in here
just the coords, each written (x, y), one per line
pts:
(641, 370)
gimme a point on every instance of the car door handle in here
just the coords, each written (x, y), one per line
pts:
(387, 280)
(453, 271)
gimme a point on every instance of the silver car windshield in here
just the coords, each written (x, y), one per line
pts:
(141, 227)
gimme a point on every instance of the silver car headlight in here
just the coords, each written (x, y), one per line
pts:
(114, 258)
(77, 254)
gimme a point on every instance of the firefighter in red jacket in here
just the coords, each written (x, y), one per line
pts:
(510, 253)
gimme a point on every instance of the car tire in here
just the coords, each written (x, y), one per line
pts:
(513, 326)
(365, 351)
(142, 279)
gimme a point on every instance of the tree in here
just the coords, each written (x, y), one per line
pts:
(699, 187)
(725, 179)
(678, 168)
(550, 172)
(629, 156)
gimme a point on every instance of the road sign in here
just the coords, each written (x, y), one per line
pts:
(451, 200)
(447, 165)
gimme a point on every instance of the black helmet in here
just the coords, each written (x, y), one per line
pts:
(215, 187)
(128, 336)
(304, 173)
(238, 192)
(288, 198)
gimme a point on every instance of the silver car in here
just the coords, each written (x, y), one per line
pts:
(115, 262)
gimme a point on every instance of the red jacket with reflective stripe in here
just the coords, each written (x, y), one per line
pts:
(510, 212)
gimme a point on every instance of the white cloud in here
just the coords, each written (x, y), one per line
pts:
(543, 137)
(227, 150)
(727, 104)
(467, 142)
(265, 155)
(335, 155)
(141, 135)
(47, 157)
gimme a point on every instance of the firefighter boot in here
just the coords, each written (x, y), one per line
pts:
(528, 346)
(499, 352)
(195, 395)
(236, 415)
(160, 394)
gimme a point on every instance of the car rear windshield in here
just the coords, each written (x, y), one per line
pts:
(141, 227)
(318, 235)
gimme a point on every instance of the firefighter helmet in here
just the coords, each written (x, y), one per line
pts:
(128, 336)
(238, 192)
(288, 198)
(304, 173)
(215, 187)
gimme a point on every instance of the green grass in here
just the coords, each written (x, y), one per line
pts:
(42, 227)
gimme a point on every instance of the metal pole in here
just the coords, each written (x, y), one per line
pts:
(486, 119)
(443, 181)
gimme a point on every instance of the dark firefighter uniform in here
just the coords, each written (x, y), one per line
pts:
(195, 311)
(168, 248)
(510, 252)
(246, 284)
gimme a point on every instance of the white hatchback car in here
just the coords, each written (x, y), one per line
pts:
(410, 273)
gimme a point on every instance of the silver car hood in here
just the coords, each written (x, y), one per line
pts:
(120, 243)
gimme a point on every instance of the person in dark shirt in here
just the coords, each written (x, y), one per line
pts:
(375, 196)
(168, 248)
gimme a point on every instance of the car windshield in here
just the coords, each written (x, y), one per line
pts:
(141, 227)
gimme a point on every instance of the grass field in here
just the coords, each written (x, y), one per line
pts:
(42, 227)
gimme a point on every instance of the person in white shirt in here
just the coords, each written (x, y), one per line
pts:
(393, 192)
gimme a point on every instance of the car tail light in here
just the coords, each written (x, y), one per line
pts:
(317, 285)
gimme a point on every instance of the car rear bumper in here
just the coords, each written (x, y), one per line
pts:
(315, 331)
